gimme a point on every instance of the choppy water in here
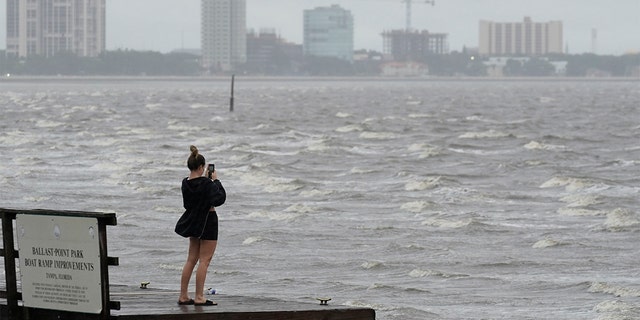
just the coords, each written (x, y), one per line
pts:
(423, 200)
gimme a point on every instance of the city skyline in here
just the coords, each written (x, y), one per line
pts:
(168, 24)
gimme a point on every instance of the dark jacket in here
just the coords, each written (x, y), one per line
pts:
(198, 196)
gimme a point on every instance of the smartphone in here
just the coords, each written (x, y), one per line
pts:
(211, 169)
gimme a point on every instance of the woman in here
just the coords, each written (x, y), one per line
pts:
(199, 223)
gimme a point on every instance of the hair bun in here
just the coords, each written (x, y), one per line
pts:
(194, 150)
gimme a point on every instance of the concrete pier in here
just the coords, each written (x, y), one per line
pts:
(155, 304)
(91, 297)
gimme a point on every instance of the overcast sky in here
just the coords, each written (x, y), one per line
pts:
(164, 25)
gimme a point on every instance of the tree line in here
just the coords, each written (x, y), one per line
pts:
(110, 63)
(149, 63)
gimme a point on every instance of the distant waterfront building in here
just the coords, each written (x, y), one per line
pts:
(46, 27)
(520, 38)
(403, 45)
(328, 32)
(268, 53)
(496, 65)
(223, 34)
(404, 69)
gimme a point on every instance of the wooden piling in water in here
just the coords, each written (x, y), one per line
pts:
(232, 98)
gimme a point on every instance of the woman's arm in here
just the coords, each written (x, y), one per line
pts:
(218, 195)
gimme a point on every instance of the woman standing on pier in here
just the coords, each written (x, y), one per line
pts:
(200, 195)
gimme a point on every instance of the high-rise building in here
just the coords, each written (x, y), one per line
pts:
(46, 27)
(520, 38)
(328, 32)
(412, 45)
(223, 34)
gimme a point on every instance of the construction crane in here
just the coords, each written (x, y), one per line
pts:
(409, 11)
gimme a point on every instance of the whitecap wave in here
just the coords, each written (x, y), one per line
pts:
(315, 193)
(425, 150)
(371, 265)
(419, 273)
(485, 134)
(168, 209)
(580, 200)
(447, 224)
(377, 135)
(275, 216)
(172, 267)
(415, 206)
(570, 184)
(143, 133)
(299, 208)
(430, 183)
(153, 106)
(317, 146)
(201, 106)
(261, 126)
(580, 212)
(614, 306)
(36, 199)
(358, 170)
(185, 128)
(379, 286)
(546, 100)
(17, 138)
(419, 115)
(268, 183)
(534, 145)
(616, 290)
(475, 118)
(619, 219)
(417, 147)
(28, 161)
(545, 243)
(104, 142)
(281, 187)
(48, 124)
(252, 240)
(350, 128)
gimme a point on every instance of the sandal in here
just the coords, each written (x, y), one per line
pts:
(206, 303)
(186, 303)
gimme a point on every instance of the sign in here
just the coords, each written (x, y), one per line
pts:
(60, 262)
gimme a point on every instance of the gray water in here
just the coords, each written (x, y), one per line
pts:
(420, 199)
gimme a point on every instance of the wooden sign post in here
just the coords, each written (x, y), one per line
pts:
(63, 263)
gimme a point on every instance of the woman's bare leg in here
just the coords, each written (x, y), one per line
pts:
(187, 270)
(207, 249)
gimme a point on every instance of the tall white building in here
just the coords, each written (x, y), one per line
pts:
(46, 27)
(224, 34)
(520, 38)
(328, 32)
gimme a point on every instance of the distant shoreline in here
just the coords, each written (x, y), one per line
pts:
(310, 78)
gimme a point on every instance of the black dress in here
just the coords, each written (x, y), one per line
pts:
(199, 196)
